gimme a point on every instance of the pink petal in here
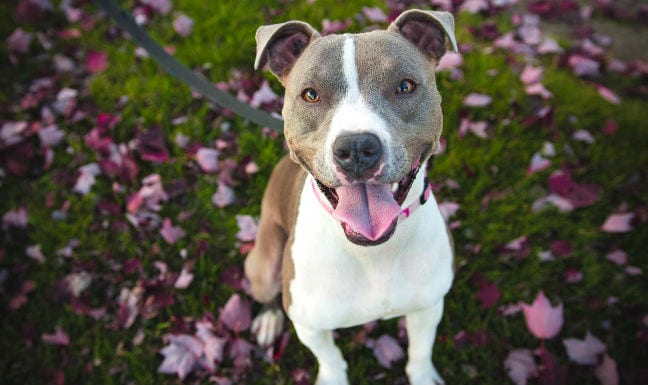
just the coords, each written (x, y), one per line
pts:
(448, 209)
(618, 256)
(549, 45)
(207, 159)
(618, 223)
(608, 95)
(265, 95)
(374, 14)
(607, 372)
(477, 100)
(59, 337)
(531, 74)
(386, 350)
(583, 135)
(180, 355)
(19, 41)
(543, 320)
(538, 163)
(538, 89)
(86, 178)
(247, 228)
(35, 252)
(16, 218)
(51, 135)
(583, 66)
(183, 25)
(335, 26)
(488, 294)
(96, 61)
(170, 233)
(160, 6)
(449, 61)
(521, 366)
(474, 6)
(184, 279)
(584, 352)
(237, 314)
(224, 196)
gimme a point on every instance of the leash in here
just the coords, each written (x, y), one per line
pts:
(184, 74)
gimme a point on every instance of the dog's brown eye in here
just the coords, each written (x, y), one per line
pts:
(310, 95)
(405, 86)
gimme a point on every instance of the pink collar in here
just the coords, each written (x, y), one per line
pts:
(404, 214)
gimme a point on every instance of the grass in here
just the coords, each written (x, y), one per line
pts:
(222, 41)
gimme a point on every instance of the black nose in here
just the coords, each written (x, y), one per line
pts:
(357, 153)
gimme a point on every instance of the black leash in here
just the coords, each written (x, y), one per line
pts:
(184, 74)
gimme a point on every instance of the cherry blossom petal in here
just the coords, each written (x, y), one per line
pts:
(583, 135)
(207, 159)
(16, 218)
(170, 233)
(543, 320)
(618, 223)
(59, 337)
(618, 256)
(265, 95)
(224, 196)
(449, 61)
(586, 351)
(183, 25)
(607, 372)
(477, 100)
(608, 95)
(248, 228)
(448, 209)
(86, 178)
(386, 350)
(375, 14)
(521, 366)
(180, 355)
(237, 314)
(538, 163)
(96, 61)
(531, 74)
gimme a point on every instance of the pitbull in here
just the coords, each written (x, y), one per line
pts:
(349, 229)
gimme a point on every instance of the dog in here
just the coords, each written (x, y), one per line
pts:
(349, 230)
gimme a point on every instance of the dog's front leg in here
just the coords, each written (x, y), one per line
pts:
(332, 367)
(421, 331)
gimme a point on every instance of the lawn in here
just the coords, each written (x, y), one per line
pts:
(129, 202)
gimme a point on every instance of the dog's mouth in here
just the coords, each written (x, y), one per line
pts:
(369, 212)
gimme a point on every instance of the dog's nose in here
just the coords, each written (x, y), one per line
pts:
(357, 153)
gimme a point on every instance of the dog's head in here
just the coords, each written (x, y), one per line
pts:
(361, 111)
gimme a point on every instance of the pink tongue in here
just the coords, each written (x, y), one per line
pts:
(368, 209)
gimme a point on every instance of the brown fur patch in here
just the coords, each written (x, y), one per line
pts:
(269, 264)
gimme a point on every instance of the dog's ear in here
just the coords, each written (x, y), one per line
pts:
(430, 31)
(279, 45)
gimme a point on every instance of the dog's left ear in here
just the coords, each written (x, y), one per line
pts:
(430, 31)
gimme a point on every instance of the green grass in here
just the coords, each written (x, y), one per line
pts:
(223, 41)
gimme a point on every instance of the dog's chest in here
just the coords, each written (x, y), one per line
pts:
(338, 284)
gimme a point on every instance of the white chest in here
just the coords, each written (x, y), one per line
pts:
(339, 284)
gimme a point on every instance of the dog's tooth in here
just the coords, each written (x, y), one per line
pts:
(394, 187)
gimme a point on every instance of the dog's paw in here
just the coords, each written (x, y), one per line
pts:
(424, 375)
(267, 326)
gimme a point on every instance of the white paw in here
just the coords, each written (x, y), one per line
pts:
(423, 375)
(267, 326)
(332, 377)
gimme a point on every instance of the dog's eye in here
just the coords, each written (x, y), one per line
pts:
(406, 86)
(310, 95)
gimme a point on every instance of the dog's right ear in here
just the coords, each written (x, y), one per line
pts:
(279, 45)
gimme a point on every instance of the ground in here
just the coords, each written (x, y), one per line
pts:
(129, 202)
